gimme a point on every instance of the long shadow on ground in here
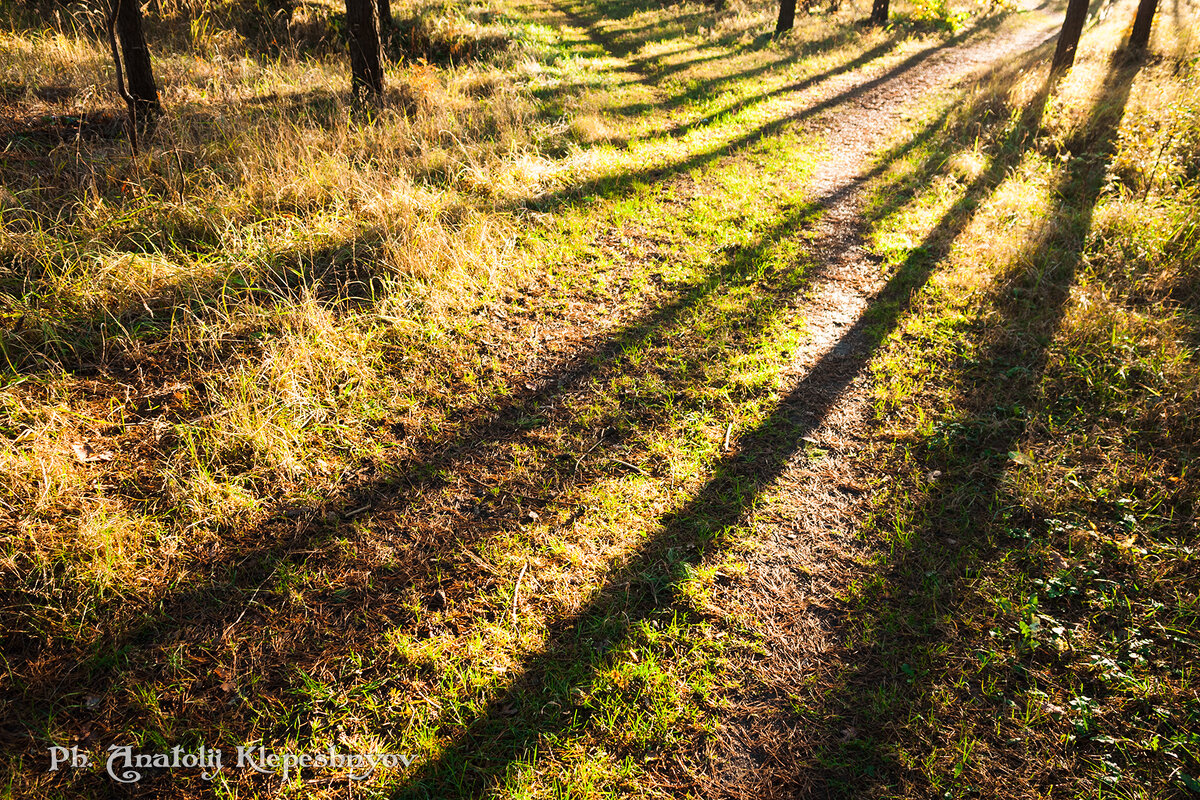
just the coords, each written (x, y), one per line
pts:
(73, 338)
(842, 746)
(644, 586)
(206, 607)
(633, 589)
(606, 184)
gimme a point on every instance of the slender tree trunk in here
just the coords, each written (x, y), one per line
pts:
(879, 12)
(139, 76)
(1068, 39)
(385, 17)
(366, 68)
(787, 16)
(1140, 38)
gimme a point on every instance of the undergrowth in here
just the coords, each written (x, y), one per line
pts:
(1038, 613)
(389, 431)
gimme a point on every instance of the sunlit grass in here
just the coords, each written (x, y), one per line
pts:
(1070, 520)
(343, 474)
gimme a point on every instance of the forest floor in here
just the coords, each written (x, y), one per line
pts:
(659, 409)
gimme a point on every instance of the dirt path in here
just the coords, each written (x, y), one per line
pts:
(802, 510)
(810, 507)
(806, 525)
(855, 127)
(441, 495)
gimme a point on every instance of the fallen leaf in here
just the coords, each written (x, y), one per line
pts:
(437, 601)
(85, 453)
(1017, 457)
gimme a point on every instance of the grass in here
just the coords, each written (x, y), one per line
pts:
(1031, 608)
(466, 429)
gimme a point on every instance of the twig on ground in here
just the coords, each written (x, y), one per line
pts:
(599, 441)
(633, 467)
(517, 592)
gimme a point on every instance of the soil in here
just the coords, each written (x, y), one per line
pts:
(808, 551)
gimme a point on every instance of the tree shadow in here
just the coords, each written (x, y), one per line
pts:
(625, 41)
(983, 25)
(203, 607)
(646, 585)
(651, 71)
(307, 271)
(74, 341)
(36, 137)
(711, 86)
(651, 75)
(853, 750)
(681, 130)
(83, 341)
(194, 610)
(624, 181)
(633, 590)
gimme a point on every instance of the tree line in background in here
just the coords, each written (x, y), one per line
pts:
(1068, 39)
(368, 22)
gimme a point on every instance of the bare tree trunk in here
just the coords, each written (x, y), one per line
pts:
(1140, 38)
(1068, 39)
(787, 16)
(366, 67)
(139, 76)
(879, 12)
(385, 17)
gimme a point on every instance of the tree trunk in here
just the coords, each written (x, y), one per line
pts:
(385, 17)
(139, 77)
(366, 68)
(787, 16)
(879, 12)
(1140, 38)
(1068, 39)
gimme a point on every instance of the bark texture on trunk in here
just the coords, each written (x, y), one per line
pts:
(1068, 39)
(366, 66)
(1140, 38)
(879, 12)
(139, 76)
(787, 16)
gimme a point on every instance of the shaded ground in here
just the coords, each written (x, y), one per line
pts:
(625, 567)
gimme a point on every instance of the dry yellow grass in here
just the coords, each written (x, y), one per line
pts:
(325, 383)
